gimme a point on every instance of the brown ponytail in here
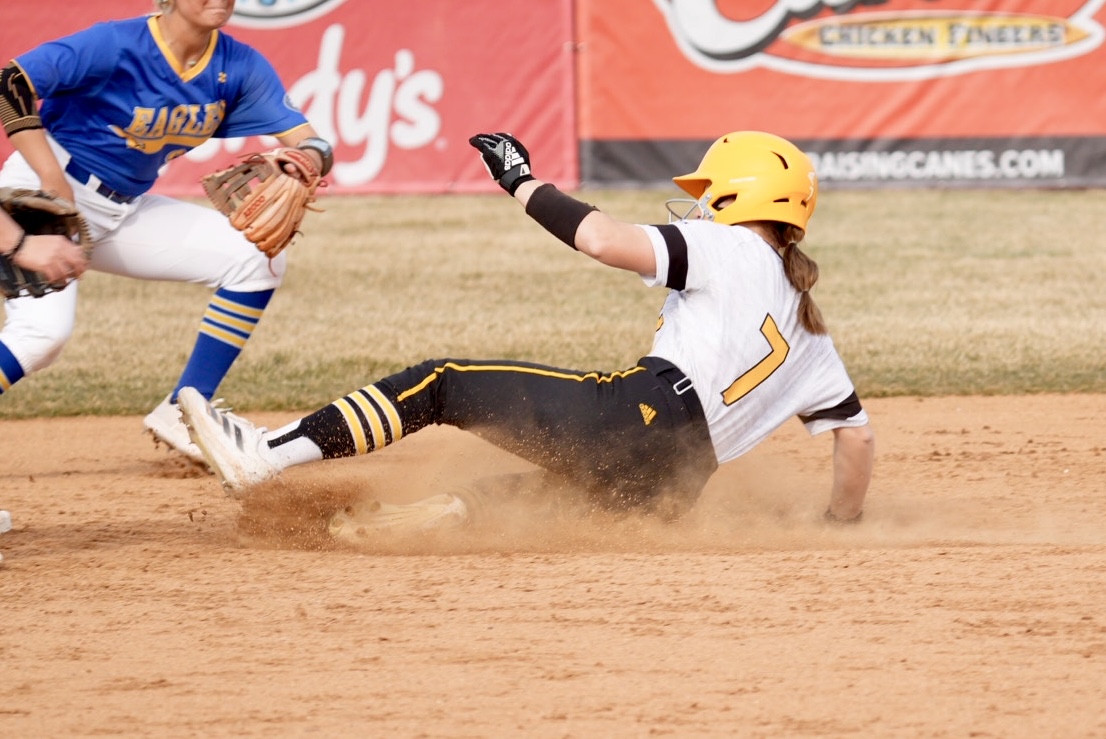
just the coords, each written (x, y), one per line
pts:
(802, 273)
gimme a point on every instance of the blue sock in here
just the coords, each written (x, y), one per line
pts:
(228, 322)
(11, 371)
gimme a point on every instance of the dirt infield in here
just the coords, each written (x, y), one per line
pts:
(139, 601)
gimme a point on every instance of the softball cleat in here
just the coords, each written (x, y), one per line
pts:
(368, 521)
(165, 425)
(231, 445)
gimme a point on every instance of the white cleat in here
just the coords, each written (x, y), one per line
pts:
(368, 521)
(230, 444)
(165, 425)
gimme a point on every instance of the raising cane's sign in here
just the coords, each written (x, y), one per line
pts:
(914, 92)
(880, 44)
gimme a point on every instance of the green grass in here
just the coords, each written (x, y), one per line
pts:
(927, 292)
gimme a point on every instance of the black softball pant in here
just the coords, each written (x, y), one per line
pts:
(635, 438)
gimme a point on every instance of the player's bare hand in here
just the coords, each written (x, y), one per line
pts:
(303, 164)
(55, 257)
(505, 158)
(298, 172)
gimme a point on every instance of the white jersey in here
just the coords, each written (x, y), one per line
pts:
(731, 324)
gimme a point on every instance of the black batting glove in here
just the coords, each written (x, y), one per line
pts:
(505, 158)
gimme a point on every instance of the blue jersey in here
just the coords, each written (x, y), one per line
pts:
(112, 97)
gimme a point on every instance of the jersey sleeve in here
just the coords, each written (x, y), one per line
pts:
(687, 254)
(74, 62)
(670, 252)
(847, 412)
(262, 106)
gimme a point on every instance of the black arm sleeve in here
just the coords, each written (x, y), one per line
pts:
(18, 105)
(559, 214)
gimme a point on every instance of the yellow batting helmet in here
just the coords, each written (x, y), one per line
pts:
(772, 179)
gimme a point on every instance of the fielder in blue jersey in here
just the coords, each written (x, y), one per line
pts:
(119, 101)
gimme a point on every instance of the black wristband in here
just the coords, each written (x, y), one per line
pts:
(559, 214)
(326, 151)
(8, 280)
(511, 182)
(18, 245)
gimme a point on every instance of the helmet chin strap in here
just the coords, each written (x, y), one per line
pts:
(706, 213)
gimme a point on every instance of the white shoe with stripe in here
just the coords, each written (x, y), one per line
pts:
(231, 445)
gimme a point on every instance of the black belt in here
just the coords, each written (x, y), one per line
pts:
(681, 383)
(700, 460)
(82, 175)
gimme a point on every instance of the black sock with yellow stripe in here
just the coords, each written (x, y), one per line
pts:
(365, 420)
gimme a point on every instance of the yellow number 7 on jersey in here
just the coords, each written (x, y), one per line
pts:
(777, 352)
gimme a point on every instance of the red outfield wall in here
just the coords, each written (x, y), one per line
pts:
(880, 92)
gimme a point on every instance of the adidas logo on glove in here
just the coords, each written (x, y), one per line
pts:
(511, 158)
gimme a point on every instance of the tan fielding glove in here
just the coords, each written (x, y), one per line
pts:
(262, 200)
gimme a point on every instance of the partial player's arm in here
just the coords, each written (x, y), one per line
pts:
(603, 238)
(55, 257)
(37, 263)
(854, 451)
(578, 224)
(21, 122)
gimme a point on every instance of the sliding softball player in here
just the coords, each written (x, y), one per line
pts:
(740, 349)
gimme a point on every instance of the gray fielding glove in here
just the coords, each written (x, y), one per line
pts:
(505, 158)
